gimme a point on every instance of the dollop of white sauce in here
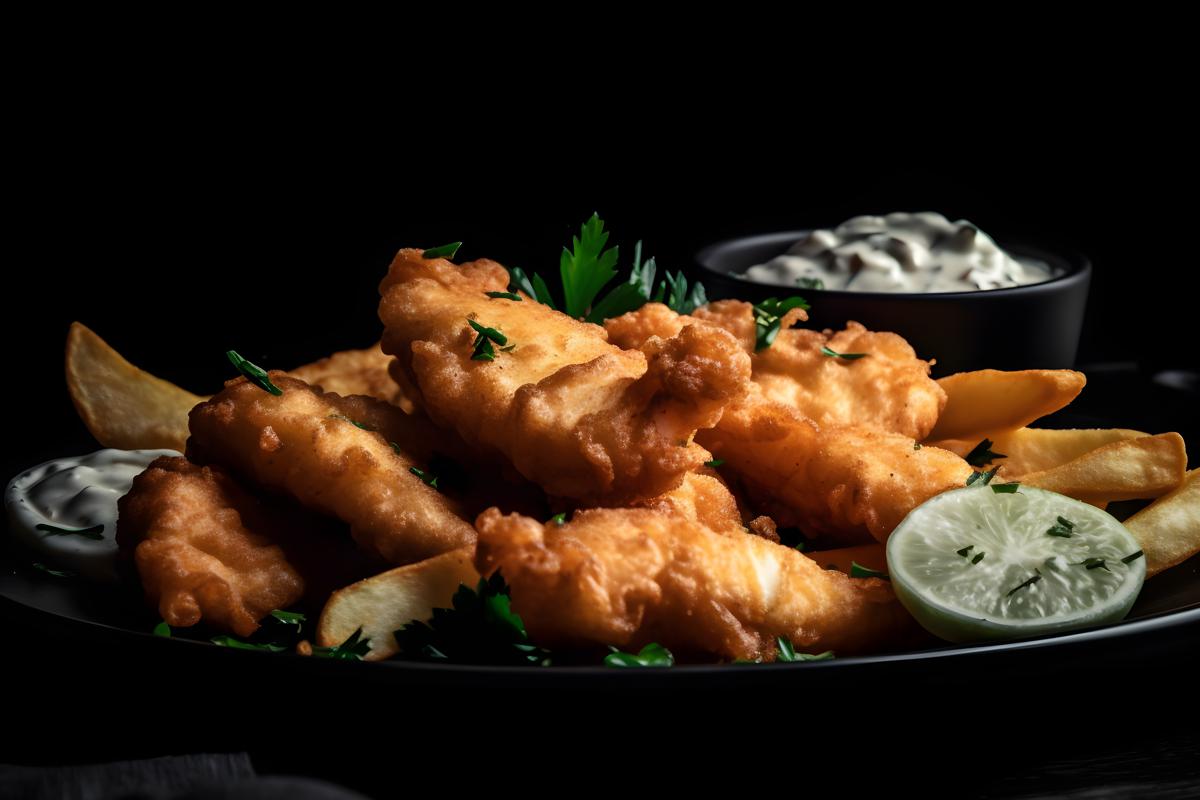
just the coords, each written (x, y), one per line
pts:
(899, 252)
(75, 493)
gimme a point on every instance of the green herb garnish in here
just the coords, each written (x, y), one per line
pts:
(162, 629)
(558, 519)
(289, 618)
(652, 655)
(58, 573)
(504, 296)
(916, 445)
(982, 454)
(1132, 557)
(825, 351)
(353, 422)
(535, 287)
(255, 374)
(1094, 563)
(1063, 528)
(353, 649)
(481, 628)
(810, 283)
(1029, 582)
(1006, 488)
(978, 557)
(859, 571)
(787, 652)
(963, 552)
(429, 478)
(986, 477)
(767, 316)
(238, 644)
(445, 251)
(483, 342)
(93, 532)
(586, 267)
(716, 462)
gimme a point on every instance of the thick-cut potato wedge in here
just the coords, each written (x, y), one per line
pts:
(383, 604)
(123, 406)
(1134, 469)
(1169, 528)
(1035, 449)
(992, 400)
(871, 556)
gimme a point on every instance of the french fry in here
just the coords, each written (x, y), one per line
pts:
(1149, 466)
(382, 604)
(992, 400)
(1035, 449)
(123, 406)
(1169, 528)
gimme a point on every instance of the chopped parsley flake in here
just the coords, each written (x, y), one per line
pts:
(445, 251)
(255, 374)
(982, 455)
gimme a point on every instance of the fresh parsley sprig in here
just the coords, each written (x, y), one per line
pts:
(787, 652)
(481, 628)
(445, 251)
(428, 477)
(588, 266)
(353, 649)
(859, 571)
(769, 314)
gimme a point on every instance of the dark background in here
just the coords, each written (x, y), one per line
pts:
(181, 215)
(176, 235)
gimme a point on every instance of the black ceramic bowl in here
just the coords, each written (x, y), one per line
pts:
(1025, 327)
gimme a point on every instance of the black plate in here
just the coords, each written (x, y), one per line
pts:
(1167, 611)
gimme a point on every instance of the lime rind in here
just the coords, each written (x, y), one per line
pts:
(972, 564)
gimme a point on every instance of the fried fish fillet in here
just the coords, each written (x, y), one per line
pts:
(703, 499)
(206, 549)
(887, 389)
(573, 413)
(846, 485)
(628, 577)
(355, 372)
(349, 457)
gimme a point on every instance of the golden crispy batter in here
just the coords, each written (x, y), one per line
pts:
(207, 549)
(305, 443)
(845, 484)
(627, 577)
(573, 413)
(353, 372)
(889, 389)
(701, 498)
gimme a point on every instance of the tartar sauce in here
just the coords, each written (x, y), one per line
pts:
(922, 252)
(76, 499)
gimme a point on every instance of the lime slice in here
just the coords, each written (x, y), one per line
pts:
(974, 564)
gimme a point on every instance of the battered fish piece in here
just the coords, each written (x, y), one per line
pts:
(573, 413)
(355, 372)
(206, 549)
(848, 485)
(889, 389)
(628, 577)
(335, 455)
(703, 499)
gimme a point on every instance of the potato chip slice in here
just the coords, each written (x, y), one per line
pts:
(123, 406)
(992, 400)
(1149, 466)
(1034, 449)
(382, 604)
(1169, 528)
